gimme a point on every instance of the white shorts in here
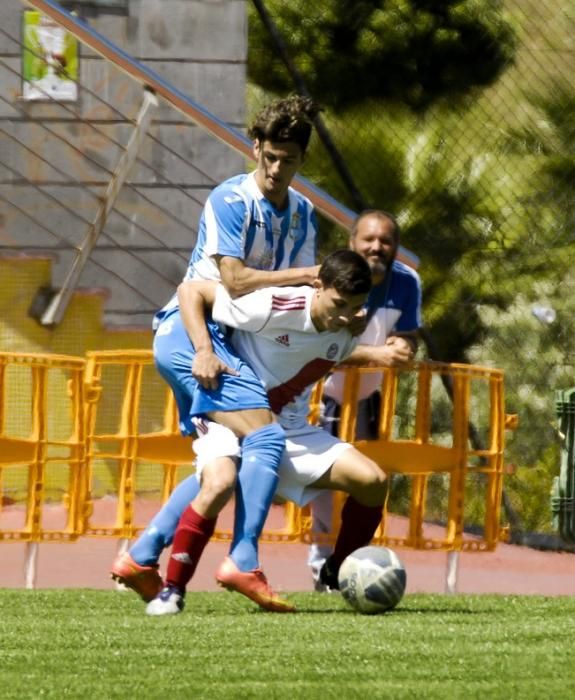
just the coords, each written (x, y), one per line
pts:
(213, 441)
(309, 453)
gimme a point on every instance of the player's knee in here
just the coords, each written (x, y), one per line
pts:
(222, 485)
(270, 438)
(372, 489)
(218, 481)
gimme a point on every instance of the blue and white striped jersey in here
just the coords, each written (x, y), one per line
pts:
(238, 221)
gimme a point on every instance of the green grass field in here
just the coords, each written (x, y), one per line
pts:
(99, 644)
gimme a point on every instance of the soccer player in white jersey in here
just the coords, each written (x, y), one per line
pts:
(389, 340)
(255, 231)
(292, 337)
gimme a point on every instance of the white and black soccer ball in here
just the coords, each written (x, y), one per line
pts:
(372, 579)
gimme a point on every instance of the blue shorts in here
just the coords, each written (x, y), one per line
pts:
(174, 354)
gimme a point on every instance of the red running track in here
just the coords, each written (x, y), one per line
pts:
(508, 570)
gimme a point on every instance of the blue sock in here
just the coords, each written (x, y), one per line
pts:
(262, 451)
(159, 534)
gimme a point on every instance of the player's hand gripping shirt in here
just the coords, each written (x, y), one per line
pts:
(276, 336)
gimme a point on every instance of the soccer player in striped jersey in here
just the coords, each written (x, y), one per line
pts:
(255, 230)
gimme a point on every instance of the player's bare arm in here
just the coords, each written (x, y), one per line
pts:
(396, 352)
(239, 279)
(194, 298)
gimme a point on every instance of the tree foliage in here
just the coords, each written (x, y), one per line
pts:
(487, 207)
(538, 357)
(412, 51)
(446, 190)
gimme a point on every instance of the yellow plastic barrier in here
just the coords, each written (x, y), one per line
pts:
(135, 454)
(477, 416)
(42, 447)
(94, 443)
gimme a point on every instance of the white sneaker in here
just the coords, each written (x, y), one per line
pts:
(317, 555)
(169, 601)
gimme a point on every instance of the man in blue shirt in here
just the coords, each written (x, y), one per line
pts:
(255, 231)
(389, 340)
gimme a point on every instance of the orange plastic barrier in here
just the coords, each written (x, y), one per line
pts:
(91, 447)
(135, 453)
(422, 451)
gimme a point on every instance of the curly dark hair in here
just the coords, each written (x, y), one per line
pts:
(287, 119)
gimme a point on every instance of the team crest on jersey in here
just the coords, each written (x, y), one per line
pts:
(332, 351)
(296, 231)
(263, 261)
(283, 340)
(165, 328)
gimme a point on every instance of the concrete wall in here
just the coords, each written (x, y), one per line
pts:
(56, 160)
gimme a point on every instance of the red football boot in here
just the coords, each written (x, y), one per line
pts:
(145, 580)
(252, 584)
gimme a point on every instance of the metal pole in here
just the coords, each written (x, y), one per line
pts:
(451, 572)
(31, 565)
(59, 303)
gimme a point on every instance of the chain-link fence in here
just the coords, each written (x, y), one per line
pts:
(458, 118)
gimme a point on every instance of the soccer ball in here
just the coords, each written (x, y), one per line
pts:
(372, 579)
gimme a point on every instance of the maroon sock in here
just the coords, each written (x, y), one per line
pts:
(358, 526)
(191, 537)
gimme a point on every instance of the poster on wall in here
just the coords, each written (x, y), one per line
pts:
(49, 59)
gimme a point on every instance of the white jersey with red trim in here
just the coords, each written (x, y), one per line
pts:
(274, 333)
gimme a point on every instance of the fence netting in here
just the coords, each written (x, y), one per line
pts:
(458, 118)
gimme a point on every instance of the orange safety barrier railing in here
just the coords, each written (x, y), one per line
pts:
(135, 454)
(41, 450)
(91, 447)
(133, 445)
(421, 455)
